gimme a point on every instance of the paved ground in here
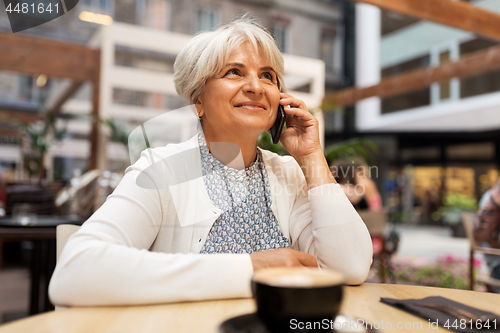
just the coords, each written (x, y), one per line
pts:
(430, 242)
(14, 293)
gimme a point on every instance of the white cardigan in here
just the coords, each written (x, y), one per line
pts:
(143, 245)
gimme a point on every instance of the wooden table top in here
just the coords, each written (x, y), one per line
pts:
(359, 302)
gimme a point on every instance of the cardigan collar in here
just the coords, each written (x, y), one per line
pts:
(188, 190)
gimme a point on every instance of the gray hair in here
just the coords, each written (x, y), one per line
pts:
(206, 55)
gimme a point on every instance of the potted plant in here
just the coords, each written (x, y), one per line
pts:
(39, 136)
(451, 212)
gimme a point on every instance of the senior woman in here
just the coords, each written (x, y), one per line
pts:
(203, 239)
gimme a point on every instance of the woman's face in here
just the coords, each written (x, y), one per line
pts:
(242, 100)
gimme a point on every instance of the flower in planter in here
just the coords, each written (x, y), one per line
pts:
(445, 272)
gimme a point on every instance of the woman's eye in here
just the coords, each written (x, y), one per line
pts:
(268, 76)
(232, 71)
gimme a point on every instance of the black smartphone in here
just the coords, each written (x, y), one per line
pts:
(278, 125)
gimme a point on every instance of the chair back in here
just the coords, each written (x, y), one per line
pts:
(468, 223)
(63, 231)
(375, 221)
(86, 192)
(79, 198)
(40, 198)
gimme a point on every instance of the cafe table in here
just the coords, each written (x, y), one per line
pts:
(361, 302)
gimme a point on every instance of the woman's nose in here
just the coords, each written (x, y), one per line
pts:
(253, 85)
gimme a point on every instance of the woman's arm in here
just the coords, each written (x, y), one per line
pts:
(108, 261)
(301, 140)
(352, 193)
(323, 222)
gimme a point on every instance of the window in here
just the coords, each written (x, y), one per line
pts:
(8, 85)
(416, 63)
(479, 84)
(98, 6)
(29, 91)
(143, 59)
(445, 91)
(280, 34)
(410, 100)
(153, 14)
(26, 84)
(444, 88)
(147, 99)
(327, 50)
(207, 18)
(126, 12)
(392, 21)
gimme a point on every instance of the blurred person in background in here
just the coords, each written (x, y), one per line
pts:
(360, 189)
(203, 238)
(487, 228)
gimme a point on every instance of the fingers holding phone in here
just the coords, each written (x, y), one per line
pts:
(301, 136)
(278, 124)
(294, 107)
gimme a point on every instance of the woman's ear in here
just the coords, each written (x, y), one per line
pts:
(199, 108)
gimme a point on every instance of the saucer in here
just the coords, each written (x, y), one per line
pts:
(251, 323)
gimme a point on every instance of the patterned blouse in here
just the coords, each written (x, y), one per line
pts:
(247, 223)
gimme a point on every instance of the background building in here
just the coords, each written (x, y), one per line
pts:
(441, 140)
(305, 29)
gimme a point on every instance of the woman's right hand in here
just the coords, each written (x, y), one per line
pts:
(282, 258)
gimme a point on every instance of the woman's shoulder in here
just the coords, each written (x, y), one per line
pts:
(169, 161)
(281, 165)
(170, 152)
(275, 159)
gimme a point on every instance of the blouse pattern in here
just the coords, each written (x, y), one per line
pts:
(247, 223)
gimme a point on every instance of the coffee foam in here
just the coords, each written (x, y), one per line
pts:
(298, 277)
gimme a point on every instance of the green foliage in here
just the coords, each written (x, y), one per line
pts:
(351, 148)
(119, 132)
(461, 201)
(266, 142)
(454, 205)
(40, 136)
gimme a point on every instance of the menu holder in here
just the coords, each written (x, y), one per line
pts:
(437, 310)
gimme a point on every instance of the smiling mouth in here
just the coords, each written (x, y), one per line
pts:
(251, 107)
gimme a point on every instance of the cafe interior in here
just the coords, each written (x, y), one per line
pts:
(404, 89)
